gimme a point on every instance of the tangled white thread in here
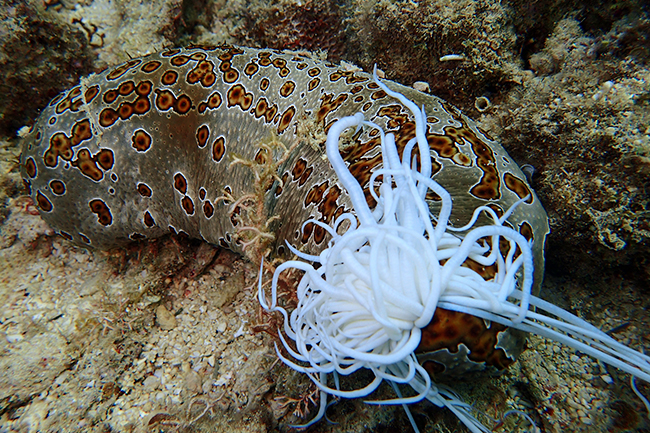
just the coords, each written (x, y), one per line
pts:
(381, 280)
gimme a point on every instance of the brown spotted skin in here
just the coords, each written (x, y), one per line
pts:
(145, 149)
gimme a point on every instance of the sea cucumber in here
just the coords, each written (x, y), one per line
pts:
(226, 144)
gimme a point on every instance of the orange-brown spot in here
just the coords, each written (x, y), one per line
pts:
(99, 208)
(315, 194)
(286, 119)
(107, 117)
(126, 88)
(448, 329)
(84, 238)
(356, 89)
(110, 96)
(105, 159)
(328, 207)
(209, 79)
(261, 156)
(76, 105)
(260, 108)
(88, 165)
(208, 209)
(183, 104)
(298, 168)
(180, 183)
(30, 167)
(237, 95)
(63, 105)
(307, 231)
(203, 47)
(91, 93)
(144, 190)
(179, 60)
(446, 147)
(81, 131)
(335, 76)
(264, 84)
(379, 94)
(279, 63)
(43, 202)
(313, 72)
(150, 66)
(287, 88)
(202, 135)
(198, 56)
(203, 72)
(202, 193)
(518, 186)
(122, 69)
(462, 159)
(66, 235)
(319, 235)
(144, 88)
(251, 69)
(170, 52)
(280, 185)
(218, 148)
(313, 83)
(284, 72)
(164, 99)
(214, 101)
(329, 104)
(526, 231)
(125, 110)
(57, 99)
(148, 219)
(61, 145)
(230, 76)
(141, 105)
(305, 176)
(169, 78)
(141, 140)
(57, 187)
(352, 78)
(188, 205)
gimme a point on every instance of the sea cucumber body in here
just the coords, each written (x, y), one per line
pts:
(176, 141)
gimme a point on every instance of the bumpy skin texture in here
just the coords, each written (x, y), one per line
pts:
(180, 141)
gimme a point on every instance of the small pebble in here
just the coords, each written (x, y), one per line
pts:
(421, 86)
(607, 379)
(151, 383)
(165, 319)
